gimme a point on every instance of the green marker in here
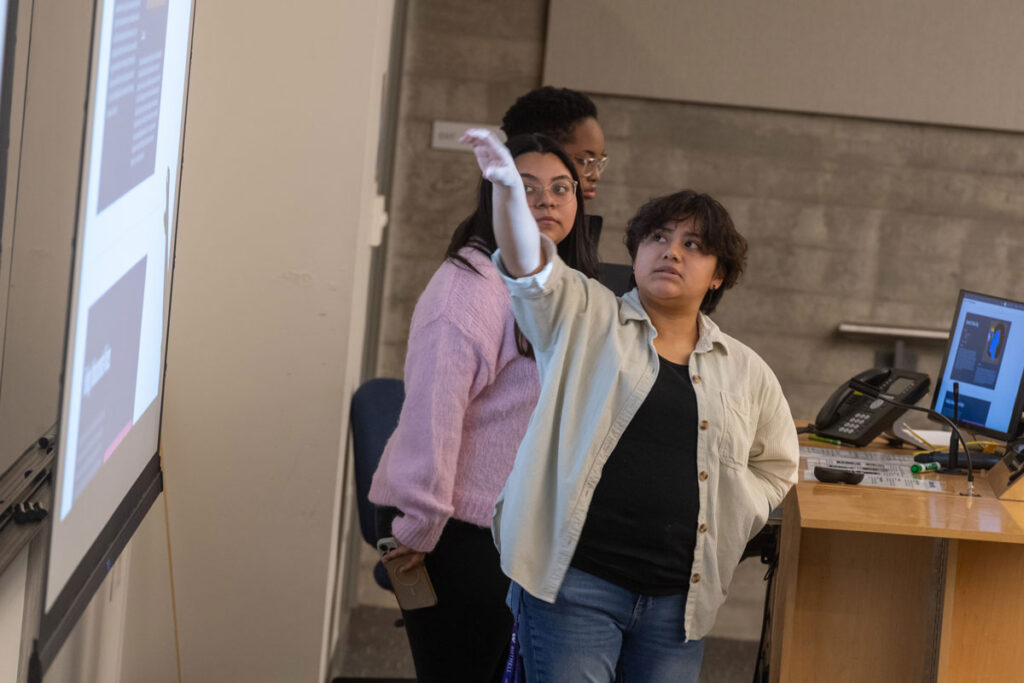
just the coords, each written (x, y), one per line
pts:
(918, 467)
(825, 439)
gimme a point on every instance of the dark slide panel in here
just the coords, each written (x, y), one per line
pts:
(111, 364)
(969, 409)
(980, 353)
(133, 96)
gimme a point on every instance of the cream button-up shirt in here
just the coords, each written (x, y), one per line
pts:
(597, 363)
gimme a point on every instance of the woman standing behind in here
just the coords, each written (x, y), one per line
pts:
(471, 385)
(658, 447)
(570, 117)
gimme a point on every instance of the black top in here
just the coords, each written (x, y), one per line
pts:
(642, 522)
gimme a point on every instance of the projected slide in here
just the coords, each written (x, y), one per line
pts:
(3, 35)
(111, 363)
(135, 131)
(133, 96)
(120, 295)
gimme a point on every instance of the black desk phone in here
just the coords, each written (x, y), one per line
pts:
(856, 419)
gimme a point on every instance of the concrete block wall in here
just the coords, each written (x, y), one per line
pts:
(847, 219)
(465, 60)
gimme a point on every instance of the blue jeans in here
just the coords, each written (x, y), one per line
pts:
(598, 632)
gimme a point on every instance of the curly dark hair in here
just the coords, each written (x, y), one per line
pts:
(548, 110)
(718, 234)
(578, 249)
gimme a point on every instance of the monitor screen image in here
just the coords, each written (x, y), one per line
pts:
(985, 355)
(116, 334)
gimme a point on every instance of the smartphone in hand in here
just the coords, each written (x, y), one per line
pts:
(412, 588)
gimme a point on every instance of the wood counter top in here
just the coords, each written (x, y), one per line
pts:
(944, 514)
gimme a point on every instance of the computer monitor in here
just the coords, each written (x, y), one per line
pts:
(985, 355)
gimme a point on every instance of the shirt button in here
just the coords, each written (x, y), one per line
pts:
(702, 528)
(703, 476)
(697, 379)
(695, 578)
(704, 424)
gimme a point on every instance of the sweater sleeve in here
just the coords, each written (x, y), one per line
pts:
(444, 370)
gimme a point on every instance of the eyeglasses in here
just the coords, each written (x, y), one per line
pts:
(591, 165)
(561, 191)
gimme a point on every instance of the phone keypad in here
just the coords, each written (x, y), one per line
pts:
(854, 423)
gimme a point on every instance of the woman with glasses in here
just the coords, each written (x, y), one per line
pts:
(471, 384)
(658, 447)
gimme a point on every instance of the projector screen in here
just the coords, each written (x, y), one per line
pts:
(117, 318)
(8, 18)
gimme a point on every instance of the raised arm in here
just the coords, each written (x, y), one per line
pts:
(515, 230)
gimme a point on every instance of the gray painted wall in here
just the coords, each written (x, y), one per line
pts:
(925, 61)
(848, 219)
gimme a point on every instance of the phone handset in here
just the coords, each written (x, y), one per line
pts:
(855, 418)
(829, 412)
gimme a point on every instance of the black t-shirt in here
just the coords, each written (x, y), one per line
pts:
(642, 522)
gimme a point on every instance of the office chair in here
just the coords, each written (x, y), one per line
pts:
(373, 416)
(616, 277)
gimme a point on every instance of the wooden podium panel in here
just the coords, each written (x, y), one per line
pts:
(861, 607)
(880, 584)
(983, 619)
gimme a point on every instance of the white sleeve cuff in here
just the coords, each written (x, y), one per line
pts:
(530, 285)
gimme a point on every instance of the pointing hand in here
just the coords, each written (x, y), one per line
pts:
(493, 157)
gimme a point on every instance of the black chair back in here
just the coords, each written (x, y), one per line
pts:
(374, 416)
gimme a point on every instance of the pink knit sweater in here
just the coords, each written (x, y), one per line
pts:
(468, 398)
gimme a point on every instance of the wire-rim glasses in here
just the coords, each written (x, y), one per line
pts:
(591, 165)
(560, 191)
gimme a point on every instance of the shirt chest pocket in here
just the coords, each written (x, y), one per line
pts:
(736, 430)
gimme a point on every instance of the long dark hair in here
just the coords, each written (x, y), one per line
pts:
(578, 249)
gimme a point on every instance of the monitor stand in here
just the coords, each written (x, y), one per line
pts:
(979, 460)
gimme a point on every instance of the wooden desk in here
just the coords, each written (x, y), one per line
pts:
(892, 585)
